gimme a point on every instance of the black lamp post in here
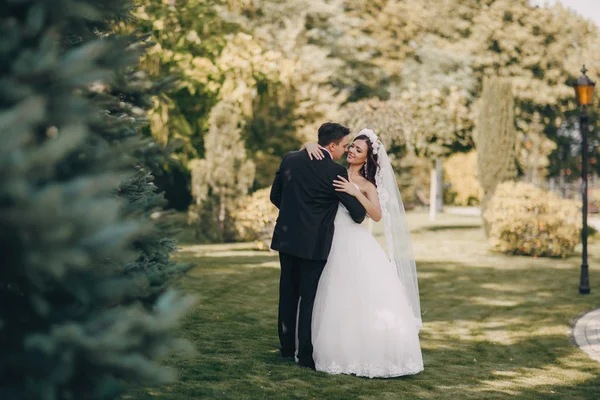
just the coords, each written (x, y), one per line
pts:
(584, 89)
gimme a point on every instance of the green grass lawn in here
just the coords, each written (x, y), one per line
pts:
(494, 326)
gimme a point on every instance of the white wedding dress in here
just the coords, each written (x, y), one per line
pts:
(362, 323)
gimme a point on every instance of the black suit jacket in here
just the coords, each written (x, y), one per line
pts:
(307, 201)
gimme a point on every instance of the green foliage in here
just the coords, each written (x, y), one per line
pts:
(315, 57)
(270, 132)
(460, 171)
(564, 130)
(189, 37)
(209, 224)
(255, 218)
(330, 27)
(70, 327)
(483, 39)
(526, 220)
(225, 175)
(594, 197)
(439, 121)
(496, 138)
(413, 177)
(437, 88)
(126, 98)
(388, 119)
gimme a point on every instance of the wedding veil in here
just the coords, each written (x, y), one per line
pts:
(397, 234)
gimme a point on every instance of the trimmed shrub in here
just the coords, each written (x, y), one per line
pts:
(495, 139)
(526, 220)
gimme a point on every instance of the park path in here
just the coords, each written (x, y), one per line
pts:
(593, 220)
(587, 334)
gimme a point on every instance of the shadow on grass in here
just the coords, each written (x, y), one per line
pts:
(434, 228)
(471, 293)
(231, 260)
(489, 333)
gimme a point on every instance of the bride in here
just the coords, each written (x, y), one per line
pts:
(366, 315)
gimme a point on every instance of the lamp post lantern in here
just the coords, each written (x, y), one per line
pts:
(584, 90)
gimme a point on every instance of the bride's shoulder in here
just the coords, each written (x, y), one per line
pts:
(370, 186)
(364, 184)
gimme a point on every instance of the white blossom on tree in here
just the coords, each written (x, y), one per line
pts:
(225, 174)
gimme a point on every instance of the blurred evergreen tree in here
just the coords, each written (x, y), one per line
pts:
(127, 99)
(78, 245)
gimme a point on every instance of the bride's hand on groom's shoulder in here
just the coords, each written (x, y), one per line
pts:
(344, 185)
(313, 150)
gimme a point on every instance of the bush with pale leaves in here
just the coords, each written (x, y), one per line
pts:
(594, 197)
(527, 220)
(255, 218)
(460, 171)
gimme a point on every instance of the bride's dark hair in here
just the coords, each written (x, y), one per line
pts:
(371, 161)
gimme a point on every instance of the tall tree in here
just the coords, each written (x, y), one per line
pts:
(225, 175)
(324, 55)
(496, 139)
(68, 326)
(131, 96)
(389, 119)
(540, 48)
(270, 132)
(189, 37)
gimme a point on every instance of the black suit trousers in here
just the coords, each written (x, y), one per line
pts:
(299, 280)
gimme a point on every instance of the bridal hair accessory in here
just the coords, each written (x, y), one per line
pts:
(372, 138)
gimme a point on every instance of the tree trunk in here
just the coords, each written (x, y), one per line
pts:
(222, 216)
(436, 194)
(440, 184)
(433, 189)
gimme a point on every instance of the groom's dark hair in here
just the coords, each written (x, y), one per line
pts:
(330, 132)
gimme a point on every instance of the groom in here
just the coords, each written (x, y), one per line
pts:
(304, 193)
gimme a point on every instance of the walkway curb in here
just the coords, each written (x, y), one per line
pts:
(587, 334)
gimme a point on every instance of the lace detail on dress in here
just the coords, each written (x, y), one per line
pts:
(374, 371)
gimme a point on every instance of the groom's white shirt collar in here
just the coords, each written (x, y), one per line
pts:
(324, 149)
